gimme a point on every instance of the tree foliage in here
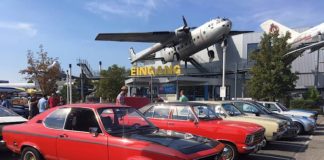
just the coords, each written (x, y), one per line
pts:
(38, 70)
(75, 93)
(312, 94)
(110, 82)
(271, 76)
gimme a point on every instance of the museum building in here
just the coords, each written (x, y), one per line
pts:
(201, 77)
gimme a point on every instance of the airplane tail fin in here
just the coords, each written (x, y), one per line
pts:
(271, 25)
(132, 54)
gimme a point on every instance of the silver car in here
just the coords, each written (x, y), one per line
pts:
(305, 122)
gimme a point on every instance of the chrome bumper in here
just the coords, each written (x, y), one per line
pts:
(256, 147)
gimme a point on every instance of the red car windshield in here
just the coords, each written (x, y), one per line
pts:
(123, 120)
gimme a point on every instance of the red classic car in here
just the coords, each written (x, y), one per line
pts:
(103, 132)
(200, 119)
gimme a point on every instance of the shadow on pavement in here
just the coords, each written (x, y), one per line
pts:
(319, 128)
(317, 133)
(296, 139)
(263, 156)
(285, 146)
(6, 154)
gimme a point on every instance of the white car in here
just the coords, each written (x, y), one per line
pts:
(8, 117)
(281, 109)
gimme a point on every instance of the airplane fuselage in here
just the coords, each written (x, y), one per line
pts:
(312, 35)
(198, 39)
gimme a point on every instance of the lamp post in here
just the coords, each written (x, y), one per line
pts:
(223, 88)
(70, 83)
(67, 87)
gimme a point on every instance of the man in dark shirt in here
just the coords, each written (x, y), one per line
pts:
(33, 111)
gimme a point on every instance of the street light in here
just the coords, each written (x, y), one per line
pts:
(223, 88)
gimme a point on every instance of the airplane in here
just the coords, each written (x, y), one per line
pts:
(18, 85)
(179, 44)
(309, 40)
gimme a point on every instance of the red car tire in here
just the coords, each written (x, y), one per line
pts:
(30, 153)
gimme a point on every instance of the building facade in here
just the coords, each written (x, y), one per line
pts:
(201, 78)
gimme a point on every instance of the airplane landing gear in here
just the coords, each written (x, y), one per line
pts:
(176, 57)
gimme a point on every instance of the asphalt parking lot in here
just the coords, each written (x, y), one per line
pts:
(304, 147)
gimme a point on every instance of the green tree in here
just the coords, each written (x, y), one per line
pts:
(38, 70)
(312, 94)
(271, 75)
(110, 82)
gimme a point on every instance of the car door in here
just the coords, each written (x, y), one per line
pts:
(182, 120)
(75, 142)
(159, 116)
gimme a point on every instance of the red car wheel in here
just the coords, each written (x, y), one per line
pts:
(30, 153)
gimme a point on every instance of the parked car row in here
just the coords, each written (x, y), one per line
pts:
(103, 132)
(191, 130)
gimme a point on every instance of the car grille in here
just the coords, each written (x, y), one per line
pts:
(281, 128)
(258, 137)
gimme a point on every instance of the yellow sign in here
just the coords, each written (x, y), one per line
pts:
(154, 71)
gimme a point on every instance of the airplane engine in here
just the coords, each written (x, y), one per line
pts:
(211, 54)
(180, 33)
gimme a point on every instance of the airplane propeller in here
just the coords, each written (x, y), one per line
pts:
(185, 27)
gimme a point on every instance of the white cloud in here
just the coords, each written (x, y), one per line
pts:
(26, 28)
(127, 8)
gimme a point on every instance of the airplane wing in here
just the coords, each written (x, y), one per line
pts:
(290, 56)
(232, 33)
(152, 37)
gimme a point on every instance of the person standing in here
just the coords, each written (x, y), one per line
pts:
(120, 100)
(43, 104)
(62, 101)
(33, 111)
(183, 98)
(5, 102)
(53, 101)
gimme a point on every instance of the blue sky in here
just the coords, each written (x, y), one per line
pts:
(67, 28)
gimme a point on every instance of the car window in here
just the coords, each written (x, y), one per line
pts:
(245, 107)
(161, 112)
(218, 109)
(205, 112)
(271, 107)
(81, 119)
(56, 119)
(231, 110)
(239, 105)
(182, 113)
(149, 112)
(122, 120)
(282, 107)
(5, 112)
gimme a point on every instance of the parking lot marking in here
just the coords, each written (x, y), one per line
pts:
(272, 157)
(310, 139)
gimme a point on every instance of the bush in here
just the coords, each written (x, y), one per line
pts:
(304, 104)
